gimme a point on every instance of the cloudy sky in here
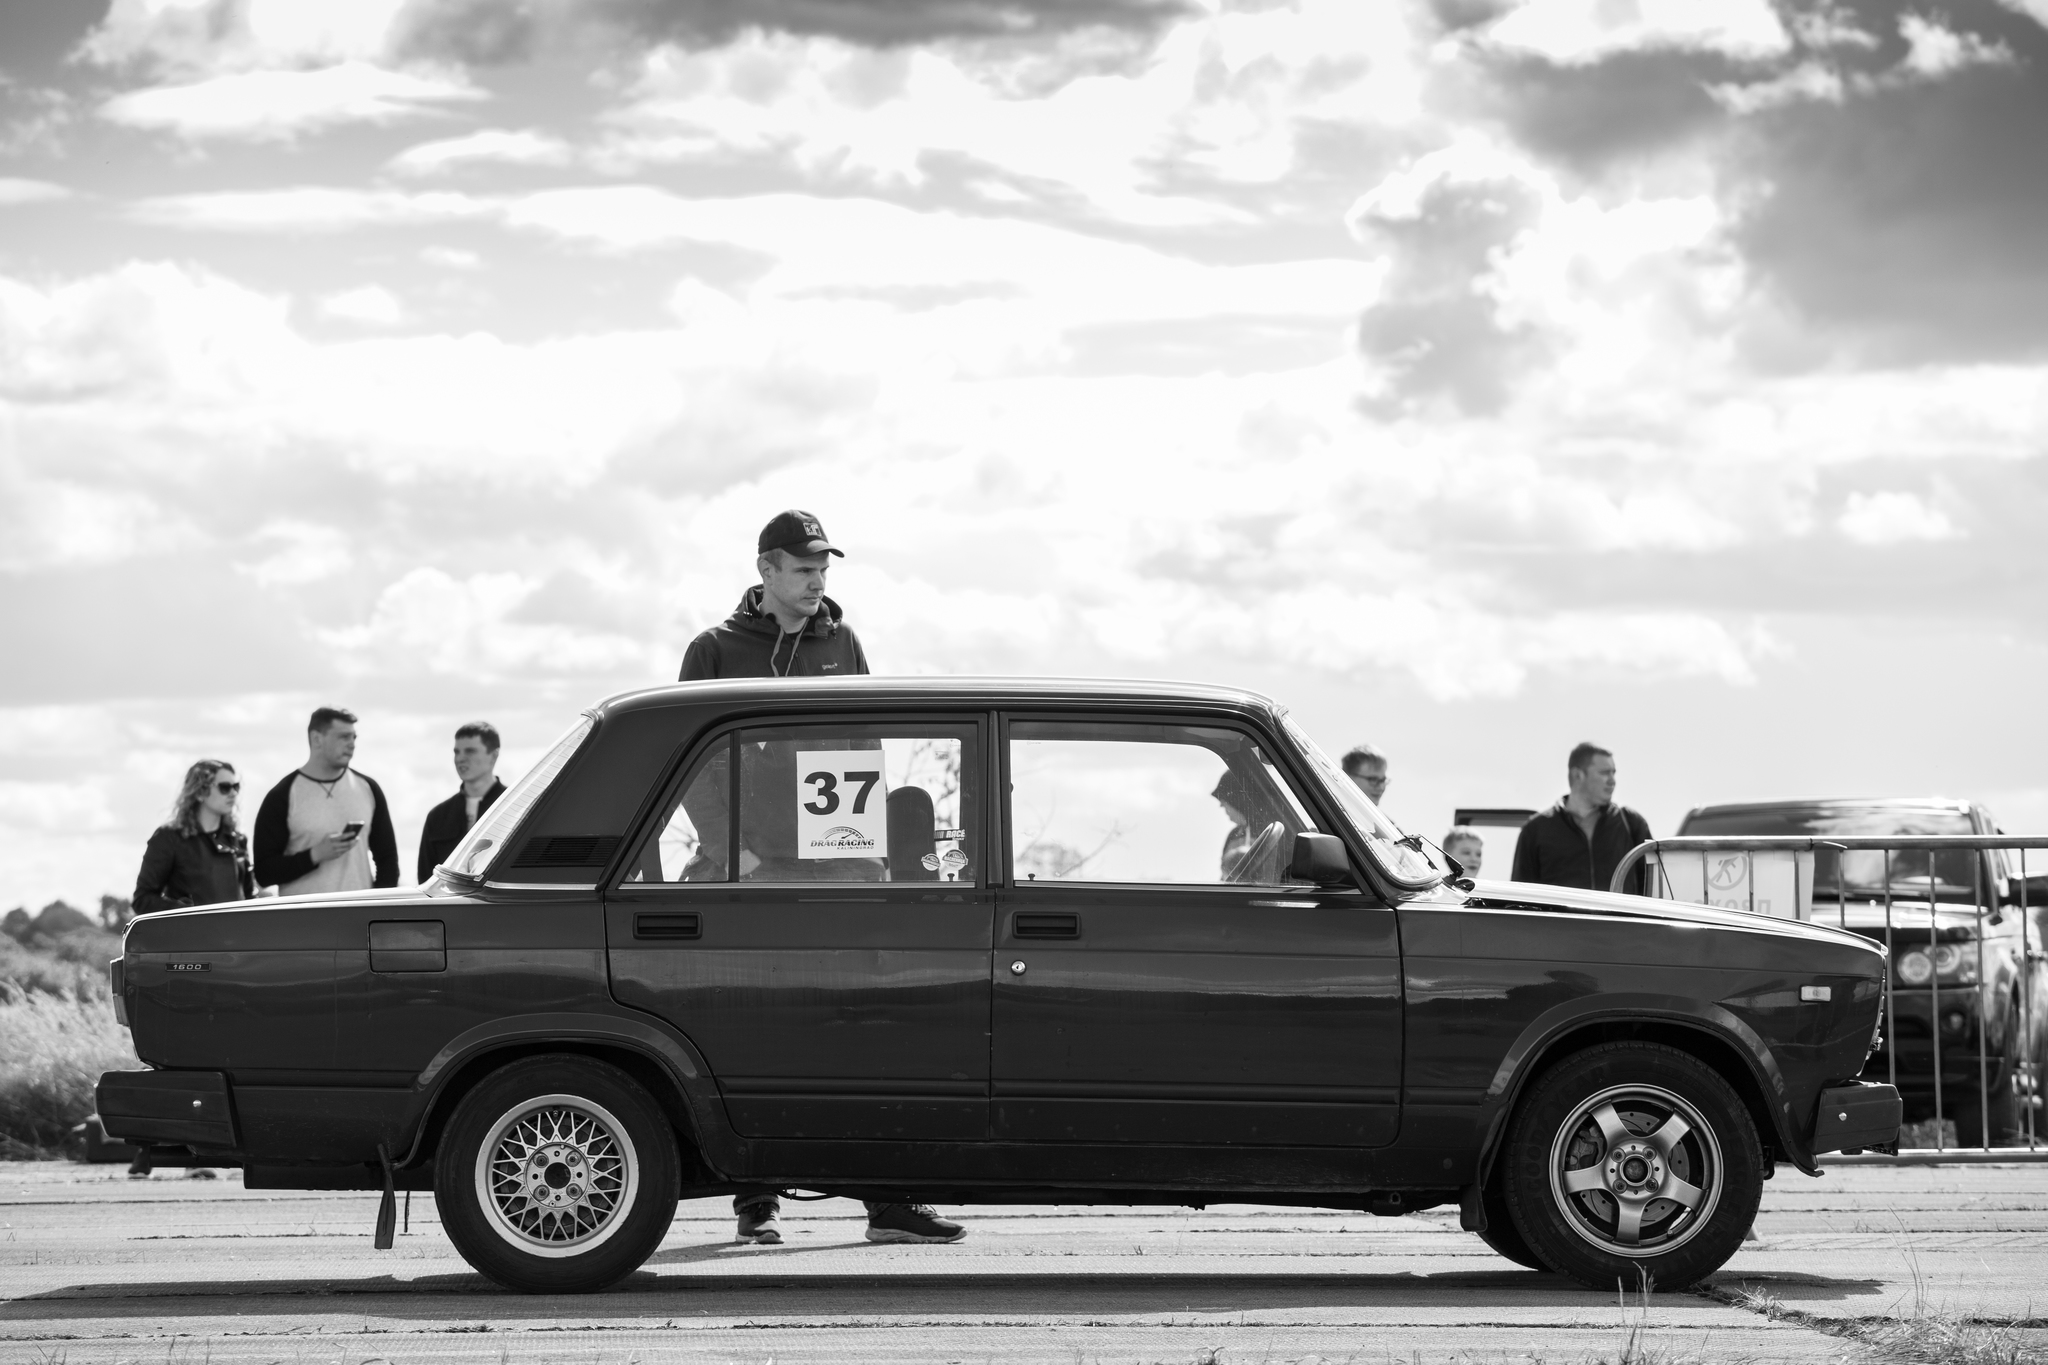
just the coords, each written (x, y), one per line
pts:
(1475, 376)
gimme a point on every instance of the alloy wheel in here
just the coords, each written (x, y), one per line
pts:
(1636, 1170)
(557, 1175)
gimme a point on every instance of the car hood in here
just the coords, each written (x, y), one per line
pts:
(1648, 909)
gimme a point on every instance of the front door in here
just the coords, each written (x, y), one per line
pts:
(812, 914)
(1158, 977)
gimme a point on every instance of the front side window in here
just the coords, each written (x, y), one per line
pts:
(1141, 803)
(844, 802)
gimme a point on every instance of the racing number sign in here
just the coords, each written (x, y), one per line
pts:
(842, 806)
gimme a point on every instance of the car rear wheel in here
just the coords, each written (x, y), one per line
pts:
(557, 1175)
(1633, 1164)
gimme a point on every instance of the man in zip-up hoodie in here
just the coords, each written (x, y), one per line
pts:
(1583, 838)
(785, 627)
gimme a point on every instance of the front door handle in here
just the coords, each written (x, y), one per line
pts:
(1044, 924)
(685, 924)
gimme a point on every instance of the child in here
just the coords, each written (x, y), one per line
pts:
(1464, 844)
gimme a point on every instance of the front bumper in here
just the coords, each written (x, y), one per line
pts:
(168, 1108)
(1856, 1116)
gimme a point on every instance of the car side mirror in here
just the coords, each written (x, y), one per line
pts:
(1320, 858)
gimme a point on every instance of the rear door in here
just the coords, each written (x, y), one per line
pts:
(812, 912)
(1159, 979)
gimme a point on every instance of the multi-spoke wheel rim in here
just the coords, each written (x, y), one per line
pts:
(1636, 1170)
(557, 1175)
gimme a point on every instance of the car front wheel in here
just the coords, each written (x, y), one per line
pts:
(557, 1175)
(1636, 1164)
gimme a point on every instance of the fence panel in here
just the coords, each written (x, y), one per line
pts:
(1957, 915)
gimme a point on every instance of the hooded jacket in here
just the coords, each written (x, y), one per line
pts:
(751, 644)
(1555, 850)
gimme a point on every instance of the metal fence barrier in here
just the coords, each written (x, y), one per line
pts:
(1730, 865)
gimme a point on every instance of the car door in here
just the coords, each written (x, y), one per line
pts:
(1158, 978)
(811, 911)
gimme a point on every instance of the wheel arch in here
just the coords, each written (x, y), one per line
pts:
(664, 1067)
(1742, 1061)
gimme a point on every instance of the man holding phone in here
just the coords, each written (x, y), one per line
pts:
(311, 827)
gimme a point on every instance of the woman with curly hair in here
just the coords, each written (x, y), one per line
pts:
(197, 857)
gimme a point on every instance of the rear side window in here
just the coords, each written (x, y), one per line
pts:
(488, 835)
(1142, 803)
(828, 802)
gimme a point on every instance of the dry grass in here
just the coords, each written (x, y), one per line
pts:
(53, 1048)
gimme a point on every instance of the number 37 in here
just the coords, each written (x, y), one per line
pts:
(827, 799)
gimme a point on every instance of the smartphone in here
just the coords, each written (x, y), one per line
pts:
(351, 829)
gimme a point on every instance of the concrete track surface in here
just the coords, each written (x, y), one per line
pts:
(95, 1267)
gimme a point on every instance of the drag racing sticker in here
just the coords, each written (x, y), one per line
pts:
(842, 806)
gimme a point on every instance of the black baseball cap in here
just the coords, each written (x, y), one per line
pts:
(797, 532)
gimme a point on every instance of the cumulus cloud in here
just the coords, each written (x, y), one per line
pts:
(1577, 32)
(279, 105)
(500, 146)
(1891, 518)
(370, 304)
(1129, 129)
(17, 191)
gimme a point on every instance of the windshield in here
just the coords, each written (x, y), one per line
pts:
(1862, 871)
(480, 845)
(1405, 861)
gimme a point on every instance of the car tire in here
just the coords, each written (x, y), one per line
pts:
(1633, 1164)
(1500, 1233)
(2004, 1106)
(557, 1174)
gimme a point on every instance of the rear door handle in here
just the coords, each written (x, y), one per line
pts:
(1044, 924)
(686, 924)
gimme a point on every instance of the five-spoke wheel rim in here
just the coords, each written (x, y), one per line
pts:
(557, 1175)
(1636, 1170)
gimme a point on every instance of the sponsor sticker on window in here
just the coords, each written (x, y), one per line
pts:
(842, 804)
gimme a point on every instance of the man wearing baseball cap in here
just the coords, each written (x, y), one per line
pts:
(785, 627)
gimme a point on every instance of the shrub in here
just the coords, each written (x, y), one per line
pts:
(53, 1047)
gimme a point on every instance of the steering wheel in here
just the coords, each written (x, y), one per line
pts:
(1260, 849)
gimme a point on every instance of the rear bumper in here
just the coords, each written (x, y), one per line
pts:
(168, 1108)
(1857, 1116)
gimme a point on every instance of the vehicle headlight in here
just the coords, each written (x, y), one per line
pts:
(1915, 967)
(1956, 961)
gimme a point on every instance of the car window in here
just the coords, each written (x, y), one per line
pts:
(1861, 872)
(1141, 803)
(847, 802)
(487, 835)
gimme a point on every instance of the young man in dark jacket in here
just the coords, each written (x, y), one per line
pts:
(786, 627)
(1583, 838)
(476, 765)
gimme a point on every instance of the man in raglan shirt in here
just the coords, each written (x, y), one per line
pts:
(786, 627)
(323, 827)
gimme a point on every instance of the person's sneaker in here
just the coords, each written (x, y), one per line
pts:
(911, 1223)
(759, 1225)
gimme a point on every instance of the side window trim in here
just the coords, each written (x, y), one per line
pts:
(980, 747)
(1302, 794)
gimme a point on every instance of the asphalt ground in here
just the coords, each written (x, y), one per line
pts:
(95, 1267)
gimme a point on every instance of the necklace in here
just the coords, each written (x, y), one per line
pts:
(325, 784)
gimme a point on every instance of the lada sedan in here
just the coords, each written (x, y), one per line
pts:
(1025, 942)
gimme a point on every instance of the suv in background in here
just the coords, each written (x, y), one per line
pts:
(1966, 979)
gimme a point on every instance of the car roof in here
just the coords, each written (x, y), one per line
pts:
(950, 689)
(1859, 802)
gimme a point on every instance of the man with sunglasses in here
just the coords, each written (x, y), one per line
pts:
(311, 828)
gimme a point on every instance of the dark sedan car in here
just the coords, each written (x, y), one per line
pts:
(1000, 941)
(1962, 977)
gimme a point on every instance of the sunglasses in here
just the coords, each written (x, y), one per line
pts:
(227, 788)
